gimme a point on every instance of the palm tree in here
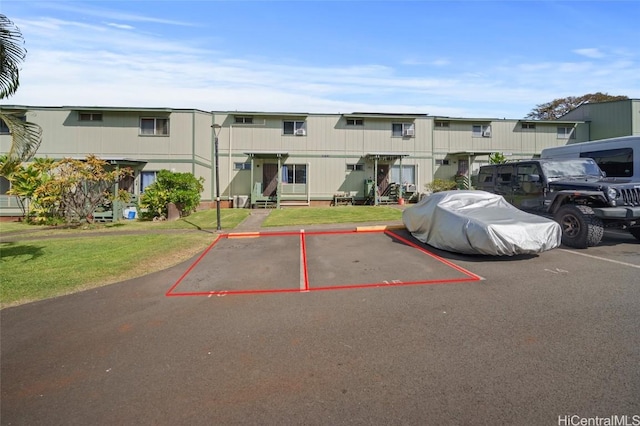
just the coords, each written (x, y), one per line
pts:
(26, 137)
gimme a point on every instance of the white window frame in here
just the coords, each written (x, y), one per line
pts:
(566, 132)
(242, 166)
(404, 128)
(291, 171)
(147, 172)
(355, 167)
(243, 119)
(156, 121)
(297, 126)
(528, 126)
(89, 116)
(442, 162)
(481, 130)
(441, 124)
(355, 122)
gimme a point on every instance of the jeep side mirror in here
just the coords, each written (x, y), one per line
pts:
(534, 178)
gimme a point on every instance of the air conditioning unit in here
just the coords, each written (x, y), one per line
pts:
(408, 132)
(486, 133)
(301, 132)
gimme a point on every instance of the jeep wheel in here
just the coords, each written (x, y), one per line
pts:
(580, 227)
(635, 232)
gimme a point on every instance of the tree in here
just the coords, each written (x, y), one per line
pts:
(497, 158)
(77, 187)
(558, 107)
(26, 137)
(25, 180)
(181, 189)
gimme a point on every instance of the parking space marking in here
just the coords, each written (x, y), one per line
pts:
(601, 258)
(303, 285)
(304, 278)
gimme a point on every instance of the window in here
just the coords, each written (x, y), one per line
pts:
(486, 174)
(614, 162)
(146, 179)
(294, 173)
(244, 120)
(442, 162)
(481, 131)
(242, 166)
(355, 167)
(4, 128)
(402, 129)
(355, 122)
(441, 124)
(408, 174)
(90, 116)
(154, 126)
(5, 185)
(294, 128)
(528, 126)
(505, 174)
(566, 133)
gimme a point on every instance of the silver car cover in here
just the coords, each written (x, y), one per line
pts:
(478, 222)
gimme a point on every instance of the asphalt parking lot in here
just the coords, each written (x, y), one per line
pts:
(336, 327)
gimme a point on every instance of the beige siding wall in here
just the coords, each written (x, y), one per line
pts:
(327, 148)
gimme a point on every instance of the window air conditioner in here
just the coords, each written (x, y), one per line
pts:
(408, 132)
(301, 132)
(486, 133)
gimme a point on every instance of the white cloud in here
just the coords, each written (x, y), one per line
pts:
(114, 64)
(590, 53)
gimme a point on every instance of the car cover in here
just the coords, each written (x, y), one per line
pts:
(478, 222)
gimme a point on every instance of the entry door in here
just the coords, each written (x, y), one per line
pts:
(269, 179)
(383, 177)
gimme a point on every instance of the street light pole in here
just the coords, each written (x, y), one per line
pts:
(217, 127)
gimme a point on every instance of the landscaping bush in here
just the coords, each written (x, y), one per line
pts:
(181, 189)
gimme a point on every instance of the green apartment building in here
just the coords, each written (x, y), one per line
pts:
(293, 158)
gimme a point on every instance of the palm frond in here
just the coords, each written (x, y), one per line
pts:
(12, 53)
(26, 138)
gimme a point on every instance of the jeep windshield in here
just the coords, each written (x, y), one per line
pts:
(571, 169)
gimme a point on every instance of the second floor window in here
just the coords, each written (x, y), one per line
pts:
(244, 120)
(481, 131)
(402, 129)
(566, 133)
(154, 126)
(294, 128)
(90, 116)
(355, 122)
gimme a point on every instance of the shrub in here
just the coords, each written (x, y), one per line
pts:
(181, 189)
(439, 185)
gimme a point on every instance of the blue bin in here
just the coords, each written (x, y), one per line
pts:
(131, 215)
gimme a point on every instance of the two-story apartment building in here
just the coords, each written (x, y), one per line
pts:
(288, 158)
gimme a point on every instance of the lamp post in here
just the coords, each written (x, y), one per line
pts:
(215, 130)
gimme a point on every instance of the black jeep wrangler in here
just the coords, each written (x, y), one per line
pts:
(574, 192)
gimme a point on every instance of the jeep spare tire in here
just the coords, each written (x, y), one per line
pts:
(580, 226)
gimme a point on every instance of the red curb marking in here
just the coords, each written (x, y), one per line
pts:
(303, 247)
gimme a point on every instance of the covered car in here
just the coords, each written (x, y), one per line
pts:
(478, 222)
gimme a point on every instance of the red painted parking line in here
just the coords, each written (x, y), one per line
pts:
(438, 258)
(304, 275)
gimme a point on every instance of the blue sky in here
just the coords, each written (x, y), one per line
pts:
(489, 59)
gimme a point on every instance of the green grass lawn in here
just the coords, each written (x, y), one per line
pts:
(205, 219)
(35, 267)
(341, 214)
(42, 268)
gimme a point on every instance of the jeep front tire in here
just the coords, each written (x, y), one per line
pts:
(580, 226)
